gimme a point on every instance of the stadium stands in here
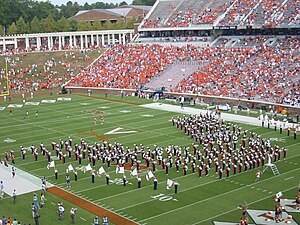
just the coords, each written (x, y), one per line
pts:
(261, 73)
(127, 66)
(191, 13)
(260, 68)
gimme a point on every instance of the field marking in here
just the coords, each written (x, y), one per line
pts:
(179, 138)
(210, 182)
(82, 218)
(224, 193)
(116, 131)
(99, 200)
(76, 135)
(289, 178)
(149, 185)
(229, 211)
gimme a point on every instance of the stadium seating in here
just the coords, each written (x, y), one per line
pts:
(261, 73)
(127, 66)
(260, 68)
(191, 13)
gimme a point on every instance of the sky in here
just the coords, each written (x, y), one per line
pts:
(82, 2)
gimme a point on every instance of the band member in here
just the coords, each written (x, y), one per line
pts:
(258, 174)
(107, 178)
(13, 172)
(176, 184)
(155, 182)
(139, 181)
(244, 220)
(278, 212)
(298, 201)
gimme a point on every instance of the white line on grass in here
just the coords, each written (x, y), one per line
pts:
(288, 178)
(82, 218)
(204, 200)
(133, 190)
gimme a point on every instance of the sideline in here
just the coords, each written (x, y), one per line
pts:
(91, 207)
(188, 110)
(23, 182)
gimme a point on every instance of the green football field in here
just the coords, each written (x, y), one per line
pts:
(199, 200)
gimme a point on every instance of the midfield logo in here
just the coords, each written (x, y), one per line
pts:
(116, 131)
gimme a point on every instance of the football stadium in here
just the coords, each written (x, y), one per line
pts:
(190, 118)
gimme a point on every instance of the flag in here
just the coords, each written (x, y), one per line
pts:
(50, 165)
(147, 177)
(279, 194)
(70, 168)
(121, 170)
(101, 170)
(169, 183)
(150, 174)
(134, 172)
(88, 168)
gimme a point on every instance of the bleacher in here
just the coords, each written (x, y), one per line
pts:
(161, 13)
(253, 67)
(195, 13)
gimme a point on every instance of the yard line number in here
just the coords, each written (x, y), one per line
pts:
(163, 197)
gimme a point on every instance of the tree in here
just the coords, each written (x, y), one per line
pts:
(1, 30)
(12, 29)
(35, 25)
(108, 25)
(120, 24)
(143, 2)
(96, 25)
(42, 9)
(123, 3)
(73, 25)
(63, 24)
(49, 24)
(83, 25)
(87, 6)
(22, 26)
(129, 24)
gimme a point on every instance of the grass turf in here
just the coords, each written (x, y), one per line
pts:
(199, 201)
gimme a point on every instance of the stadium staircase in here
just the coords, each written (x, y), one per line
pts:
(231, 43)
(171, 76)
(175, 9)
(163, 10)
(221, 17)
(270, 42)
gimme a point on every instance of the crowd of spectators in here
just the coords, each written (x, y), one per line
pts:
(35, 76)
(257, 72)
(237, 12)
(266, 13)
(8, 221)
(127, 66)
(261, 73)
